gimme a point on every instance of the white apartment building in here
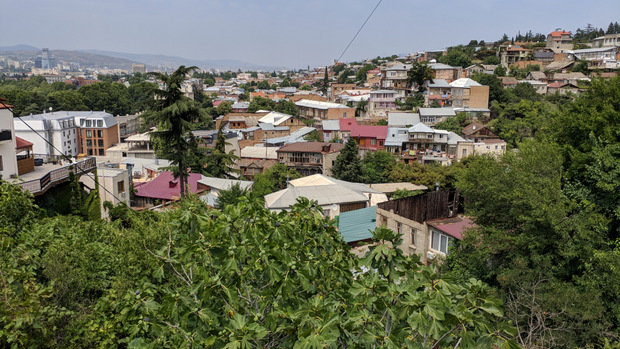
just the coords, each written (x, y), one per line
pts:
(8, 158)
(57, 128)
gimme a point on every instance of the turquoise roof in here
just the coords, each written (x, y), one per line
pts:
(357, 225)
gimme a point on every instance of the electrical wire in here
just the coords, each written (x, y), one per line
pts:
(359, 30)
(60, 152)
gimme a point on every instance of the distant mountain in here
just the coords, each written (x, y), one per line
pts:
(173, 61)
(19, 48)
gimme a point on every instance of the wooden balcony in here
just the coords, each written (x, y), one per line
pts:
(41, 179)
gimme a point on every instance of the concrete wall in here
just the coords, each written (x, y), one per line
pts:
(420, 231)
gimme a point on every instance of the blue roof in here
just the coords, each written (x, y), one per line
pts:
(358, 225)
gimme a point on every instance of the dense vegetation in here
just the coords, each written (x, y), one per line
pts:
(241, 278)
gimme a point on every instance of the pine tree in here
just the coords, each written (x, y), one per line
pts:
(348, 167)
(219, 163)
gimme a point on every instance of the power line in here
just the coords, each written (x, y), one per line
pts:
(59, 151)
(360, 29)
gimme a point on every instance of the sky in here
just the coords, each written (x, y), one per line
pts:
(286, 33)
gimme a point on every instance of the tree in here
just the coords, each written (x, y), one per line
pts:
(581, 67)
(220, 164)
(500, 70)
(261, 103)
(112, 97)
(230, 196)
(325, 83)
(404, 193)
(273, 179)
(418, 74)
(223, 108)
(360, 76)
(491, 59)
(347, 165)
(174, 113)
(313, 136)
(457, 57)
(376, 165)
(413, 102)
(66, 100)
(287, 107)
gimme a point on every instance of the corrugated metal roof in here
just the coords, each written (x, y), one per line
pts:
(357, 225)
(436, 112)
(318, 105)
(255, 152)
(464, 83)
(403, 119)
(420, 127)
(331, 125)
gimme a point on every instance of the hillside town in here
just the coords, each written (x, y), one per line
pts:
(413, 144)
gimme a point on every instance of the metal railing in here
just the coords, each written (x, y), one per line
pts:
(36, 186)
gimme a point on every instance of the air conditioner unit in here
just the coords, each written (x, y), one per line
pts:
(430, 255)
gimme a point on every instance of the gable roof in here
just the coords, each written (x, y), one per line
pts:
(420, 127)
(21, 143)
(165, 187)
(347, 124)
(471, 128)
(464, 83)
(369, 131)
(403, 119)
(537, 75)
(436, 112)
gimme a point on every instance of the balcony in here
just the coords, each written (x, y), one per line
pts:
(48, 175)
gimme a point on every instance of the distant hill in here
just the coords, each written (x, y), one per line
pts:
(173, 61)
(19, 48)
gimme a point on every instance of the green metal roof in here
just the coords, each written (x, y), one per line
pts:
(357, 225)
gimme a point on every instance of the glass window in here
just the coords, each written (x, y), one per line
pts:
(99, 123)
(89, 133)
(121, 187)
(101, 152)
(399, 228)
(100, 133)
(100, 142)
(413, 236)
(81, 122)
(89, 123)
(89, 143)
(373, 142)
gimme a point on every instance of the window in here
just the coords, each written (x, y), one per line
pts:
(100, 133)
(89, 133)
(441, 242)
(414, 232)
(89, 123)
(381, 143)
(399, 228)
(90, 152)
(81, 122)
(373, 142)
(100, 142)
(101, 152)
(89, 143)
(99, 123)
(1, 164)
(121, 186)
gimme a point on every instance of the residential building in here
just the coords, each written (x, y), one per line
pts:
(479, 69)
(397, 140)
(315, 110)
(469, 94)
(438, 90)
(330, 130)
(164, 188)
(559, 40)
(53, 135)
(98, 131)
(446, 72)
(256, 159)
(541, 87)
(380, 103)
(609, 40)
(310, 158)
(433, 116)
(478, 132)
(508, 81)
(128, 125)
(345, 128)
(562, 88)
(369, 137)
(240, 107)
(394, 77)
(8, 143)
(114, 186)
(138, 68)
(513, 54)
(428, 223)
(490, 147)
(332, 195)
(598, 58)
(423, 139)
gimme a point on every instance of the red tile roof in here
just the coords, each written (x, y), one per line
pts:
(454, 227)
(165, 187)
(21, 143)
(2, 105)
(369, 131)
(346, 124)
(559, 33)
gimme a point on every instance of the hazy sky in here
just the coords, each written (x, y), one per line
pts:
(287, 33)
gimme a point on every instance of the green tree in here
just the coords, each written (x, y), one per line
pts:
(223, 108)
(261, 103)
(313, 136)
(457, 57)
(231, 196)
(273, 179)
(287, 107)
(220, 164)
(174, 113)
(418, 74)
(491, 59)
(112, 97)
(66, 100)
(500, 70)
(360, 76)
(347, 166)
(376, 165)
(413, 102)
